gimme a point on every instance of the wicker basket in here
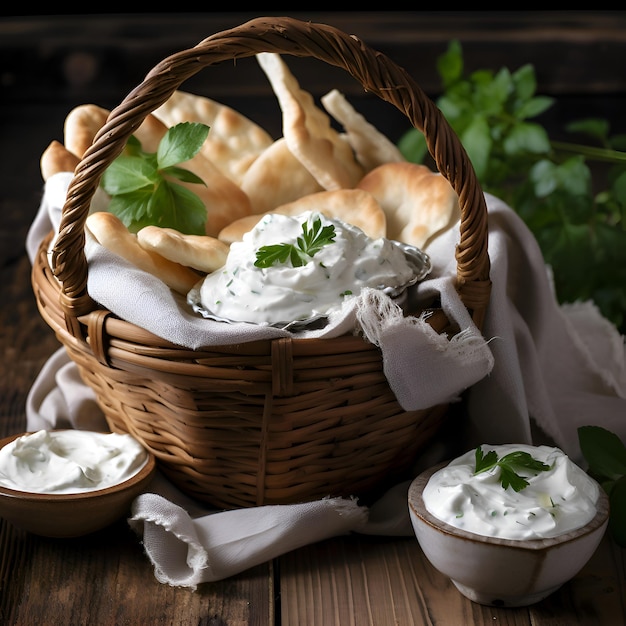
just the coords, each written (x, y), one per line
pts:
(265, 422)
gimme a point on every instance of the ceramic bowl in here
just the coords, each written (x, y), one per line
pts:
(72, 515)
(503, 572)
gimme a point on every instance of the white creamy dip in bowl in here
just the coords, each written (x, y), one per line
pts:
(301, 294)
(69, 483)
(501, 547)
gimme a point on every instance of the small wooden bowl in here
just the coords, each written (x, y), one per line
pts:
(75, 514)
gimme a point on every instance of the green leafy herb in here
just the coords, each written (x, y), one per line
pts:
(579, 223)
(605, 454)
(142, 184)
(307, 245)
(509, 465)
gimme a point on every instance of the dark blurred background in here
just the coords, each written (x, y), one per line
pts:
(52, 63)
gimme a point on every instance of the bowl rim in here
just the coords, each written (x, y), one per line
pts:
(417, 507)
(146, 471)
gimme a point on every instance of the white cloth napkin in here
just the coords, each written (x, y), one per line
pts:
(564, 367)
(559, 367)
(187, 552)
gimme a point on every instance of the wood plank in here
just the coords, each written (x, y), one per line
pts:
(363, 580)
(105, 578)
(595, 597)
(368, 580)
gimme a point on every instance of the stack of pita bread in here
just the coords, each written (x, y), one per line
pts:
(356, 175)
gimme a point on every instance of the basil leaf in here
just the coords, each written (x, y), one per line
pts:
(174, 206)
(126, 174)
(130, 207)
(181, 143)
(183, 175)
(142, 187)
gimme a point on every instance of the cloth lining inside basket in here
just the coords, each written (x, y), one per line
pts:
(147, 302)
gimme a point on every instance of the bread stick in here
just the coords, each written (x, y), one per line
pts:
(111, 233)
(201, 252)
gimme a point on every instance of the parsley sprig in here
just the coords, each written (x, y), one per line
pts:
(307, 245)
(509, 464)
(142, 184)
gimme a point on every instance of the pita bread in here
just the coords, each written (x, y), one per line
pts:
(202, 253)
(277, 177)
(419, 204)
(308, 131)
(234, 141)
(57, 158)
(371, 147)
(150, 133)
(353, 206)
(111, 233)
(223, 199)
(81, 125)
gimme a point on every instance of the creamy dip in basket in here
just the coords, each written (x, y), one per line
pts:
(241, 291)
(69, 461)
(555, 501)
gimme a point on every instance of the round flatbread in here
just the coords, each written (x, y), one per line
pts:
(234, 141)
(277, 177)
(419, 204)
(352, 206)
(57, 158)
(81, 126)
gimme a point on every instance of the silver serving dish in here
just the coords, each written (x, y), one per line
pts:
(417, 258)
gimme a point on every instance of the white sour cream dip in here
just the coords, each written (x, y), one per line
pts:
(69, 461)
(240, 291)
(556, 501)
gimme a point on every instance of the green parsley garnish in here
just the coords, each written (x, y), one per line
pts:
(142, 188)
(307, 245)
(508, 465)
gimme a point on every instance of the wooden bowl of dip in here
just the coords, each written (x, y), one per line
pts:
(497, 570)
(63, 515)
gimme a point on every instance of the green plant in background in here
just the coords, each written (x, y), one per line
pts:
(578, 220)
(606, 455)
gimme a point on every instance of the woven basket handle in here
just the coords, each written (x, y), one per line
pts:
(377, 74)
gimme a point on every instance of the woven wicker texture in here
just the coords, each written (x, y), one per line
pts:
(265, 422)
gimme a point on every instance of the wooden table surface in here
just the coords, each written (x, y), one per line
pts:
(105, 578)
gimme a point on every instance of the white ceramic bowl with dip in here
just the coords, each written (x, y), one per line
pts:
(75, 485)
(497, 570)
